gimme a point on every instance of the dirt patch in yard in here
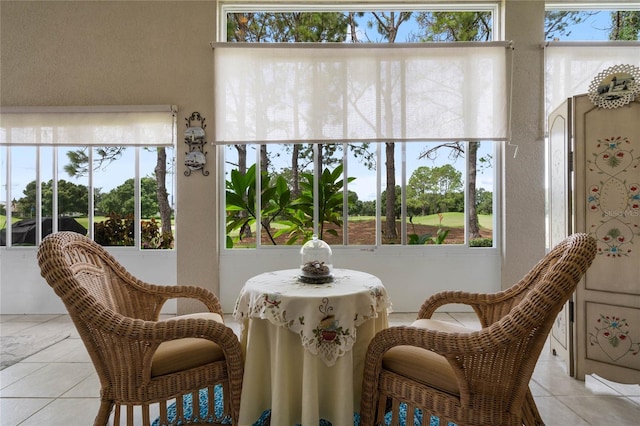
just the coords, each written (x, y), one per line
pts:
(364, 233)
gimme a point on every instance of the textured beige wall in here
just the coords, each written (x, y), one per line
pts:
(124, 53)
(523, 225)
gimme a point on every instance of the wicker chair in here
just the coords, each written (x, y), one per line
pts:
(140, 359)
(474, 377)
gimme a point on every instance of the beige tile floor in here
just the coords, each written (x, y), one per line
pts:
(58, 386)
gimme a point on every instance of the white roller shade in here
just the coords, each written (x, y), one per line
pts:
(570, 67)
(269, 93)
(86, 126)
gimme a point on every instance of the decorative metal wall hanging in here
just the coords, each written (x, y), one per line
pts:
(194, 137)
(615, 87)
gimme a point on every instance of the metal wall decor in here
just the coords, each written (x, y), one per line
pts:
(194, 137)
(615, 87)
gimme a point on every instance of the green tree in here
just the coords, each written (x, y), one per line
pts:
(625, 25)
(484, 201)
(27, 204)
(241, 197)
(330, 205)
(121, 200)
(453, 26)
(355, 205)
(79, 166)
(72, 198)
(396, 195)
(435, 189)
(368, 208)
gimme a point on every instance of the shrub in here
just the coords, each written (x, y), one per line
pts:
(151, 238)
(114, 231)
(481, 242)
(118, 231)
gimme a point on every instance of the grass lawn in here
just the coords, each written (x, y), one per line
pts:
(449, 220)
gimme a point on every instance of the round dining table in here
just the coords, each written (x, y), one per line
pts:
(305, 345)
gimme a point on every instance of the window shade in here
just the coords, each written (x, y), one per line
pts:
(84, 126)
(570, 67)
(290, 93)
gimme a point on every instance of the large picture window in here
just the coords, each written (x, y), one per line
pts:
(106, 172)
(364, 128)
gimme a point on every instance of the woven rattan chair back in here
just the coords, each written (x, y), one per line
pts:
(117, 317)
(493, 366)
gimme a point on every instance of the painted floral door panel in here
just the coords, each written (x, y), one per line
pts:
(607, 205)
(610, 339)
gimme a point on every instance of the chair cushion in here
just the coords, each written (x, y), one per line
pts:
(182, 354)
(422, 365)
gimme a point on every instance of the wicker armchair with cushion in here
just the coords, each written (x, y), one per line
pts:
(140, 359)
(474, 377)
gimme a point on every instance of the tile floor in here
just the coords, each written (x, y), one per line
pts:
(58, 385)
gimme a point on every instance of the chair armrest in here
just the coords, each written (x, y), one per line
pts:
(442, 298)
(201, 294)
(441, 342)
(156, 332)
(489, 307)
(156, 295)
(159, 294)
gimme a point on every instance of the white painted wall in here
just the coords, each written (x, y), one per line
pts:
(24, 291)
(409, 274)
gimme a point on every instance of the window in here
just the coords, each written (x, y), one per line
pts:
(595, 22)
(102, 171)
(340, 157)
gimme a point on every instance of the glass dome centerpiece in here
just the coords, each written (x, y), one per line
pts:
(316, 266)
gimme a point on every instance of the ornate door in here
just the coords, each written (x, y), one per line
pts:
(607, 206)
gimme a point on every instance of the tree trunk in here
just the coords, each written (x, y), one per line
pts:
(264, 161)
(242, 168)
(295, 172)
(242, 159)
(472, 161)
(161, 191)
(390, 232)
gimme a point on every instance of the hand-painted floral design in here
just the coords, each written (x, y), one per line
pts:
(614, 237)
(634, 197)
(593, 198)
(612, 336)
(614, 198)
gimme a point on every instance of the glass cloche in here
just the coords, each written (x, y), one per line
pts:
(316, 265)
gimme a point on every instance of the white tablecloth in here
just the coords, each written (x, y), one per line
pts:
(305, 345)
